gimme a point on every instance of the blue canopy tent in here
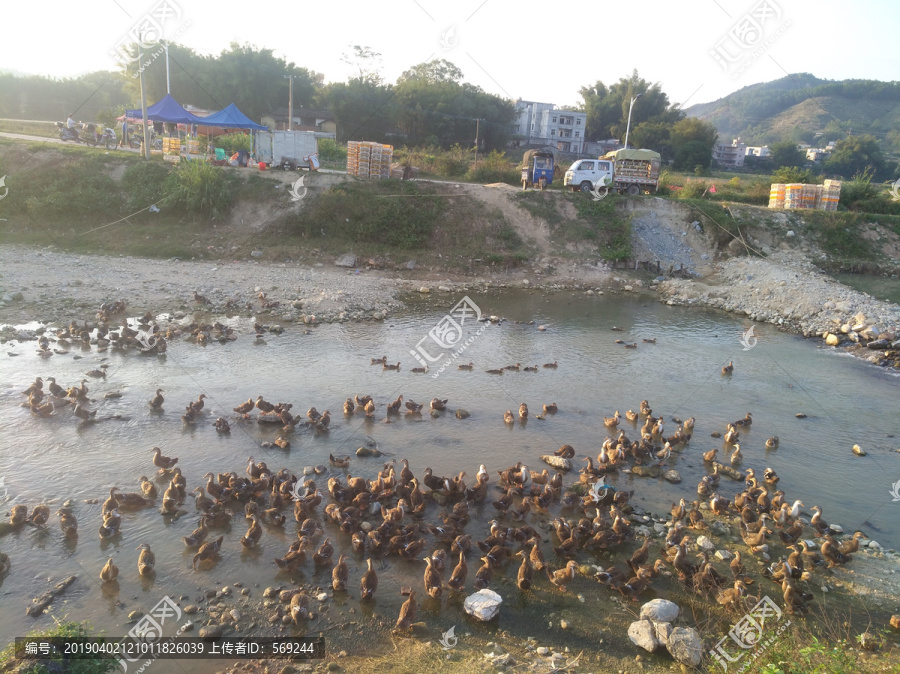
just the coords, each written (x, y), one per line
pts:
(167, 109)
(229, 118)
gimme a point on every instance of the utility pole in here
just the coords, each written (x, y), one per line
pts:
(476, 143)
(290, 102)
(628, 127)
(144, 105)
(168, 90)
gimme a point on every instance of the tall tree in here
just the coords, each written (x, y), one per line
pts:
(855, 154)
(786, 153)
(692, 142)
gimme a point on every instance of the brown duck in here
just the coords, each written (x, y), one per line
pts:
(369, 582)
(407, 612)
(564, 576)
(458, 577)
(526, 571)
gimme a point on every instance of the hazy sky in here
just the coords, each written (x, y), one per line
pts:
(542, 51)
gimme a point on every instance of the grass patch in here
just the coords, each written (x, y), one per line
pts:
(540, 204)
(67, 629)
(599, 221)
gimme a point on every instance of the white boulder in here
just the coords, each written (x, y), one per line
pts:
(685, 646)
(484, 605)
(660, 611)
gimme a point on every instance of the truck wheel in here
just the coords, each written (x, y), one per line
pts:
(543, 183)
(633, 190)
(586, 186)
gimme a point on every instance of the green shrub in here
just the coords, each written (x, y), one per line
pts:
(199, 187)
(603, 225)
(331, 150)
(794, 174)
(143, 184)
(232, 142)
(495, 168)
(452, 163)
(693, 189)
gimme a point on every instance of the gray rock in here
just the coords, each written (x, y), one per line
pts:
(643, 635)
(411, 264)
(705, 544)
(210, 632)
(660, 611)
(685, 646)
(254, 253)
(348, 260)
(672, 476)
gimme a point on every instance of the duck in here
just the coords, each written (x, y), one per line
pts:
(244, 409)
(458, 577)
(562, 577)
(772, 443)
(388, 366)
(438, 404)
(394, 407)
(18, 515)
(146, 560)
(633, 345)
(128, 499)
(203, 502)
(111, 523)
(552, 365)
(349, 406)
(746, 421)
(770, 476)
(369, 582)
(40, 515)
(148, 489)
(613, 421)
(413, 407)
(407, 612)
(164, 463)
(254, 533)
(299, 609)
(530, 368)
(370, 408)
(710, 456)
(649, 341)
(339, 461)
(263, 405)
(847, 547)
(736, 457)
(198, 535)
(728, 369)
(67, 522)
(207, 551)
(55, 389)
(339, 574)
(156, 402)
(378, 361)
(433, 581)
(566, 452)
(109, 572)
(523, 412)
(551, 408)
(494, 371)
(732, 596)
(509, 417)
(484, 575)
(322, 556)
(469, 367)
(631, 415)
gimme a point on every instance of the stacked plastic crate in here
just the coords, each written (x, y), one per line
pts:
(193, 146)
(171, 148)
(793, 195)
(387, 156)
(831, 194)
(353, 157)
(776, 195)
(368, 159)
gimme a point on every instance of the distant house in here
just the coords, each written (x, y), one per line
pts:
(818, 154)
(304, 120)
(541, 124)
(757, 151)
(601, 147)
(730, 155)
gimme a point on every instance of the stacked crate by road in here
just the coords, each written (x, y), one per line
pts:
(800, 196)
(368, 159)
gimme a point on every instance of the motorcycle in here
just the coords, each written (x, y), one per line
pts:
(137, 138)
(88, 135)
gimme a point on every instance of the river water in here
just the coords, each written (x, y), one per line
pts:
(846, 401)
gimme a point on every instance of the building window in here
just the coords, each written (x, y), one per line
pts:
(577, 133)
(552, 132)
(578, 122)
(554, 120)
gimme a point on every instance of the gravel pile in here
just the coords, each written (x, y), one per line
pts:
(786, 289)
(52, 287)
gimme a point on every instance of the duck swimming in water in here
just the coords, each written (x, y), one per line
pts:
(109, 572)
(369, 582)
(156, 402)
(146, 560)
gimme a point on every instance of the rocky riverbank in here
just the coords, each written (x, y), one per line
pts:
(787, 290)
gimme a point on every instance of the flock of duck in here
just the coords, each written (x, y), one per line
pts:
(394, 513)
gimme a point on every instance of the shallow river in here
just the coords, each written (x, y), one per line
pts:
(50, 460)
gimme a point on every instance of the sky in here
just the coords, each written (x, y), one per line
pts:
(697, 50)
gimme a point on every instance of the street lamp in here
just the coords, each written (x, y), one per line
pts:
(628, 128)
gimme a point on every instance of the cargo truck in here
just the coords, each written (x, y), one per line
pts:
(625, 171)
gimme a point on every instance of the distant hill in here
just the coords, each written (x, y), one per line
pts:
(798, 106)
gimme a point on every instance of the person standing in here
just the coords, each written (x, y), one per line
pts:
(125, 132)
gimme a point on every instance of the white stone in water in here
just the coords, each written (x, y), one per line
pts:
(483, 605)
(322, 596)
(660, 610)
(543, 650)
(837, 528)
(308, 470)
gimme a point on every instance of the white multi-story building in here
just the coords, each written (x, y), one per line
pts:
(730, 155)
(545, 124)
(757, 151)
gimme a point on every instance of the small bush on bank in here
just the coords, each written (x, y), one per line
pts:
(199, 187)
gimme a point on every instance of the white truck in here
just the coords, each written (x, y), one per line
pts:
(289, 150)
(625, 171)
